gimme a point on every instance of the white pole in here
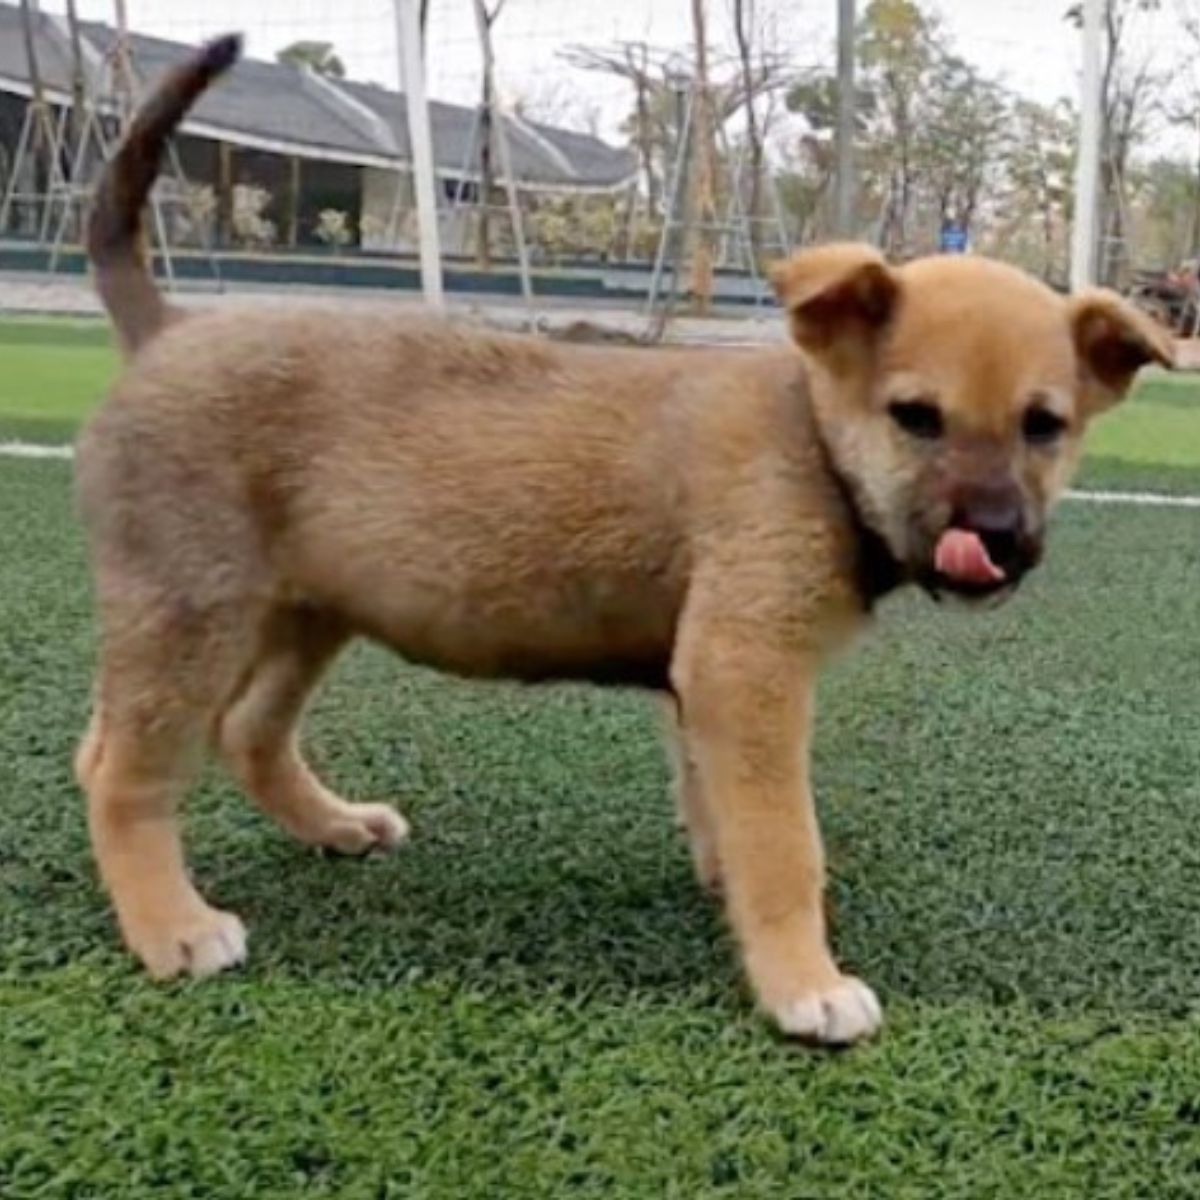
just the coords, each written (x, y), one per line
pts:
(1087, 171)
(416, 104)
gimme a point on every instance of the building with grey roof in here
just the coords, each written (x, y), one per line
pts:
(305, 142)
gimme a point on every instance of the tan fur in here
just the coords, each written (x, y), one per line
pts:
(264, 485)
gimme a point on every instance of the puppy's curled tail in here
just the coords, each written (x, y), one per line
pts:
(115, 239)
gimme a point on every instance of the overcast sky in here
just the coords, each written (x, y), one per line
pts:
(1026, 42)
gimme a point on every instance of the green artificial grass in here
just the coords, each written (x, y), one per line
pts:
(1152, 441)
(535, 1000)
(52, 373)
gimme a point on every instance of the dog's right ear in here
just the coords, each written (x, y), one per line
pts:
(834, 293)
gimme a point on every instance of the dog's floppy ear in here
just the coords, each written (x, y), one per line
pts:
(835, 292)
(1114, 340)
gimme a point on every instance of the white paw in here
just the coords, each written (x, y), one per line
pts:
(365, 827)
(204, 942)
(844, 1013)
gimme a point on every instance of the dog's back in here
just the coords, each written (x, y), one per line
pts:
(487, 503)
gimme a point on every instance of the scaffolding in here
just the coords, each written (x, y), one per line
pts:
(39, 143)
(63, 151)
(734, 230)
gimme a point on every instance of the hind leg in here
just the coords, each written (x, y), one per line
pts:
(157, 690)
(259, 739)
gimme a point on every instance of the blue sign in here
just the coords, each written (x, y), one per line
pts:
(954, 240)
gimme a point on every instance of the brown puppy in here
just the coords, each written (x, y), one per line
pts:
(264, 485)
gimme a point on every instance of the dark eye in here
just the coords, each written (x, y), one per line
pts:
(919, 418)
(1041, 427)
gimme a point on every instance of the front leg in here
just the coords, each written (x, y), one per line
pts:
(746, 716)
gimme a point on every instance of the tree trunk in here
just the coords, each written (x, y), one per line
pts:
(945, 205)
(645, 142)
(483, 227)
(123, 66)
(904, 196)
(1047, 237)
(77, 82)
(1114, 224)
(293, 202)
(40, 146)
(224, 194)
(970, 206)
(485, 21)
(743, 18)
(1194, 234)
(703, 206)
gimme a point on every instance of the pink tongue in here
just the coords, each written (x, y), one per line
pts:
(962, 556)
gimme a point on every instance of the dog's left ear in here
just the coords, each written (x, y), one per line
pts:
(835, 294)
(1114, 340)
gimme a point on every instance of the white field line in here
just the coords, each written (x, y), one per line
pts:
(34, 450)
(1143, 499)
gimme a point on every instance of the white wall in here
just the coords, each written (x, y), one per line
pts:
(379, 188)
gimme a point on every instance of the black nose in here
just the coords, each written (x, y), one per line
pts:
(989, 508)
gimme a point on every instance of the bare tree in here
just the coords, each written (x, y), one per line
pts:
(487, 110)
(635, 62)
(1128, 91)
(966, 117)
(1035, 201)
(899, 47)
(41, 134)
(930, 129)
(555, 102)
(77, 80)
(745, 29)
(701, 209)
(1185, 110)
(653, 124)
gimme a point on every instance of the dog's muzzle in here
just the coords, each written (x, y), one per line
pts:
(987, 547)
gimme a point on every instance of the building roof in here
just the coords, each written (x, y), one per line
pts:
(290, 110)
(541, 155)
